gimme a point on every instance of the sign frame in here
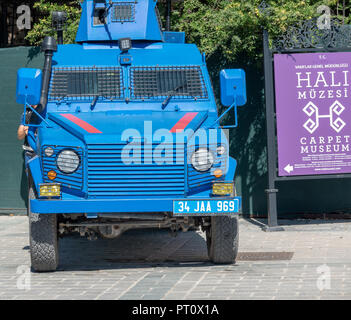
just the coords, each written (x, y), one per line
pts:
(303, 38)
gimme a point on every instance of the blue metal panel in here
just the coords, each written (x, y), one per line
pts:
(231, 169)
(174, 37)
(142, 24)
(233, 87)
(112, 133)
(35, 170)
(28, 86)
(55, 135)
(143, 53)
(109, 205)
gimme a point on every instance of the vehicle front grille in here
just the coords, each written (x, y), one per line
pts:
(85, 83)
(109, 176)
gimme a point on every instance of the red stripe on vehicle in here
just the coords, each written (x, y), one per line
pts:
(183, 122)
(79, 122)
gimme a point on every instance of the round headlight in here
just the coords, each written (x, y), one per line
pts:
(202, 159)
(68, 161)
(49, 151)
(221, 150)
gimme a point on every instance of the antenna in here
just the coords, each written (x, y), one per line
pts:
(168, 15)
(108, 8)
(59, 19)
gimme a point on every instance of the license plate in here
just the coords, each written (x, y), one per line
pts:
(206, 207)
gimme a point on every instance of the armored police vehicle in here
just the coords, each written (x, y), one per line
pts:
(124, 133)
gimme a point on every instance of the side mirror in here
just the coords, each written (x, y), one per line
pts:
(233, 86)
(28, 86)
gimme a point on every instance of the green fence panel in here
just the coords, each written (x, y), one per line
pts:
(13, 185)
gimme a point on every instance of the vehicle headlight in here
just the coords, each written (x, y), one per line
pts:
(202, 159)
(68, 161)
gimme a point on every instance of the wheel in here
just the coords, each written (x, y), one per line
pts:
(223, 239)
(43, 239)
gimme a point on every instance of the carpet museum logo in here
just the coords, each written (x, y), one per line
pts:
(326, 87)
(312, 111)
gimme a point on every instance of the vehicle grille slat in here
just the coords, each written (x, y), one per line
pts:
(134, 187)
(109, 180)
(108, 176)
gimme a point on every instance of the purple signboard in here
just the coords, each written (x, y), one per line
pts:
(313, 107)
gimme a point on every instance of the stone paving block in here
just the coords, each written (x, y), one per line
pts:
(122, 268)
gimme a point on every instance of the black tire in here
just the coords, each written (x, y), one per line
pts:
(223, 239)
(43, 239)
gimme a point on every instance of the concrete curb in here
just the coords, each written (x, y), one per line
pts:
(13, 212)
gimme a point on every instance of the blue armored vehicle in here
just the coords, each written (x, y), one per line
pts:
(124, 133)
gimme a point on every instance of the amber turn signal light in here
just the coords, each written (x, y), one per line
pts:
(52, 175)
(218, 173)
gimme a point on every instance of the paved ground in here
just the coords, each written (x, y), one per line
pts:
(153, 265)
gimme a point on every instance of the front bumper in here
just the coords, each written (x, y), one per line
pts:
(109, 205)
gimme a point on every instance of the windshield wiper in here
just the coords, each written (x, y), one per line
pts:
(171, 94)
(96, 97)
(107, 9)
(93, 103)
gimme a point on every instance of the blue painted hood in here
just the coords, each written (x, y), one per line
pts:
(116, 126)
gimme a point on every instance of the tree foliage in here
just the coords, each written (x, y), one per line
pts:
(43, 28)
(231, 27)
(234, 27)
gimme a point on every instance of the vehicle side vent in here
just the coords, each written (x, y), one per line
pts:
(174, 37)
(85, 83)
(159, 82)
(123, 12)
